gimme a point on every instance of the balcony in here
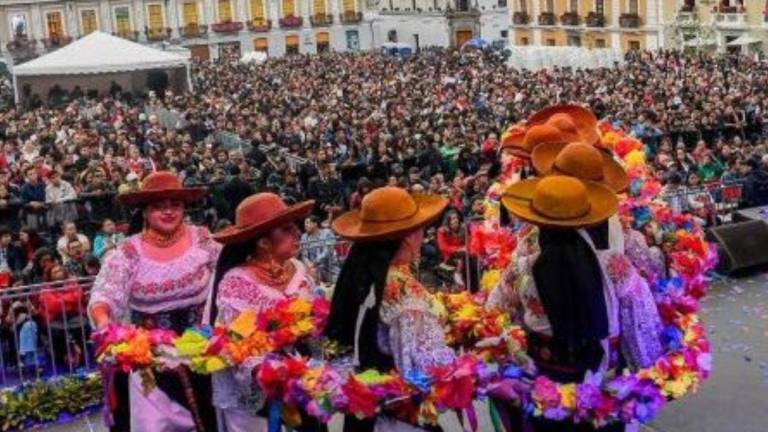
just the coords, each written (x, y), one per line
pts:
(733, 17)
(227, 27)
(291, 22)
(158, 34)
(56, 41)
(464, 12)
(631, 21)
(132, 35)
(259, 25)
(686, 18)
(350, 17)
(570, 19)
(22, 48)
(595, 19)
(321, 20)
(193, 31)
(547, 19)
(520, 18)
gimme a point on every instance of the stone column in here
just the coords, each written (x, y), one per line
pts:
(105, 16)
(172, 17)
(535, 22)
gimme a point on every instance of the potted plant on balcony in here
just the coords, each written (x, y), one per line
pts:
(291, 21)
(520, 18)
(351, 17)
(227, 27)
(570, 19)
(321, 19)
(259, 25)
(595, 19)
(547, 18)
(629, 20)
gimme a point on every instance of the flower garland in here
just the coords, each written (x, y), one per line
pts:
(208, 350)
(495, 364)
(48, 402)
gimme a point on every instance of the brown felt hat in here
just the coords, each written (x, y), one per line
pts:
(389, 213)
(560, 202)
(580, 160)
(568, 117)
(513, 138)
(260, 213)
(159, 186)
(540, 134)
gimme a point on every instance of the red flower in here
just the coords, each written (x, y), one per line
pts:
(361, 401)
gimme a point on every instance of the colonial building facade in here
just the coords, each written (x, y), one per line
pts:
(207, 27)
(212, 28)
(717, 25)
(441, 22)
(618, 24)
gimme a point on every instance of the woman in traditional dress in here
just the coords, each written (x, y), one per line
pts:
(584, 309)
(379, 309)
(256, 270)
(160, 278)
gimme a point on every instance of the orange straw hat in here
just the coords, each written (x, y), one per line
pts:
(159, 186)
(567, 117)
(580, 160)
(260, 213)
(560, 202)
(537, 135)
(389, 213)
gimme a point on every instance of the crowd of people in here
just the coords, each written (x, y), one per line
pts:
(332, 127)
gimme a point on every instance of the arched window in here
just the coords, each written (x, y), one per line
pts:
(289, 8)
(225, 11)
(318, 7)
(600, 7)
(633, 7)
(257, 12)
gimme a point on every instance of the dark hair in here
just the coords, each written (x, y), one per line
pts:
(4, 230)
(231, 256)
(366, 264)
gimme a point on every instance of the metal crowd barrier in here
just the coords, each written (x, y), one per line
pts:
(45, 331)
(51, 317)
(709, 201)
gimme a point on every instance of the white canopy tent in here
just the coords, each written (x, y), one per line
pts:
(744, 39)
(95, 61)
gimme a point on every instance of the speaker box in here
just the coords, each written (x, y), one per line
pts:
(741, 245)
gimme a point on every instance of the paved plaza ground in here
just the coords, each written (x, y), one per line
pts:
(735, 399)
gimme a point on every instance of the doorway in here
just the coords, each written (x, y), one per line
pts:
(462, 37)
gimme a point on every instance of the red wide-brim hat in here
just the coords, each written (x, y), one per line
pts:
(160, 186)
(259, 214)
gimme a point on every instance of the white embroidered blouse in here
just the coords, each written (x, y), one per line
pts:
(130, 280)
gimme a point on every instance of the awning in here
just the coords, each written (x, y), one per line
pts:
(100, 53)
(261, 44)
(323, 37)
(744, 39)
(292, 40)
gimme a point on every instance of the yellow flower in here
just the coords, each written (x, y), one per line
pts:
(635, 158)
(215, 364)
(302, 327)
(301, 307)
(568, 396)
(244, 325)
(490, 279)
